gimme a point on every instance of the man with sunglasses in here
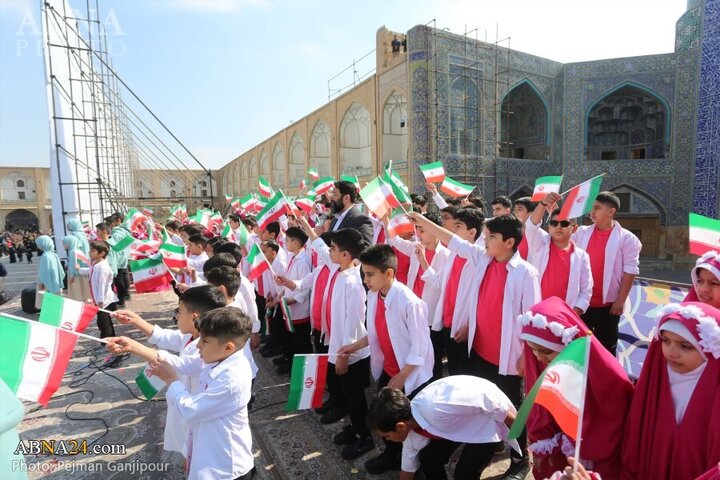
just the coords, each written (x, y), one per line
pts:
(563, 266)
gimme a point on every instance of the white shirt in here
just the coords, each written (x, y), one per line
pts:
(522, 291)
(245, 301)
(580, 281)
(175, 436)
(270, 290)
(101, 282)
(431, 290)
(299, 266)
(461, 314)
(219, 438)
(460, 408)
(406, 319)
(622, 255)
(197, 262)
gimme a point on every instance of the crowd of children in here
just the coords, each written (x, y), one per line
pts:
(495, 299)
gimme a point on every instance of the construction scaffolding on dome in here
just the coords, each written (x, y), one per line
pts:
(108, 150)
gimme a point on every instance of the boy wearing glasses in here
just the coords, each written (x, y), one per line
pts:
(564, 267)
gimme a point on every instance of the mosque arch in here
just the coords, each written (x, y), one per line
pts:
(278, 167)
(320, 148)
(395, 138)
(464, 117)
(525, 122)
(355, 150)
(297, 165)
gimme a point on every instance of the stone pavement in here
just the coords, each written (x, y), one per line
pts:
(100, 406)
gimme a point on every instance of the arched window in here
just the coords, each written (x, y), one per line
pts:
(320, 149)
(252, 175)
(355, 154)
(464, 117)
(524, 123)
(20, 183)
(297, 166)
(278, 167)
(264, 166)
(630, 122)
(395, 131)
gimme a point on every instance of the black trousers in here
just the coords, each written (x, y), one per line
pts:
(438, 344)
(473, 460)
(352, 386)
(604, 326)
(262, 310)
(105, 323)
(122, 285)
(298, 341)
(510, 385)
(457, 356)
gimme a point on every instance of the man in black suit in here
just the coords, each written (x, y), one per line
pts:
(347, 215)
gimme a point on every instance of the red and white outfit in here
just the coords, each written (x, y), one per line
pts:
(299, 266)
(101, 284)
(710, 262)
(553, 324)
(672, 428)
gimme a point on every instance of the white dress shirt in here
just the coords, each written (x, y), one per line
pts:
(580, 281)
(101, 283)
(219, 438)
(299, 266)
(522, 291)
(406, 319)
(460, 408)
(245, 301)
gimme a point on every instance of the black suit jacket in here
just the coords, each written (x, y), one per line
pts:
(358, 221)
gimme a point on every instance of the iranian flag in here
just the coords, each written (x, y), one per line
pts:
(323, 185)
(274, 209)
(307, 381)
(376, 197)
(306, 204)
(352, 179)
(145, 247)
(149, 274)
(704, 234)
(313, 172)
(247, 201)
(227, 233)
(400, 223)
(63, 312)
(134, 219)
(560, 389)
(580, 199)
(35, 357)
(398, 187)
(81, 260)
(202, 218)
(243, 237)
(173, 255)
(455, 188)
(228, 197)
(545, 185)
(148, 383)
(124, 243)
(265, 188)
(258, 262)
(148, 212)
(286, 315)
(302, 185)
(433, 172)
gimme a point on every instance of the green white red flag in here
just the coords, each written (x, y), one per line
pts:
(433, 172)
(313, 173)
(580, 199)
(704, 234)
(265, 188)
(203, 218)
(173, 255)
(35, 357)
(150, 273)
(228, 197)
(400, 223)
(399, 189)
(242, 235)
(63, 312)
(306, 204)
(455, 188)
(352, 179)
(287, 316)
(323, 185)
(560, 389)
(274, 209)
(307, 381)
(246, 202)
(258, 262)
(134, 220)
(545, 185)
(375, 195)
(148, 383)
(227, 233)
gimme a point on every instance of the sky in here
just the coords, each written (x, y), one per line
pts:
(224, 75)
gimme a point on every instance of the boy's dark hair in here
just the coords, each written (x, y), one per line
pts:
(231, 248)
(198, 239)
(347, 188)
(227, 277)
(477, 201)
(297, 234)
(104, 226)
(215, 242)
(502, 200)
(527, 203)
(100, 247)
(380, 256)
(418, 199)
(609, 199)
(326, 237)
(508, 226)
(472, 217)
(387, 409)
(249, 223)
(451, 209)
(273, 227)
(234, 218)
(272, 245)
(222, 259)
(349, 240)
(191, 230)
(455, 202)
(173, 225)
(227, 324)
(202, 299)
(433, 217)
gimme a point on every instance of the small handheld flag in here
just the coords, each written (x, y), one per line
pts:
(307, 381)
(455, 188)
(433, 172)
(580, 199)
(545, 185)
(704, 234)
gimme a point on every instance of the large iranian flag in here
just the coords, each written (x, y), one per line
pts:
(274, 209)
(400, 223)
(149, 274)
(374, 196)
(323, 185)
(560, 389)
(173, 255)
(134, 219)
(433, 172)
(307, 381)
(63, 312)
(545, 185)
(580, 199)
(258, 262)
(704, 234)
(455, 188)
(265, 188)
(34, 357)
